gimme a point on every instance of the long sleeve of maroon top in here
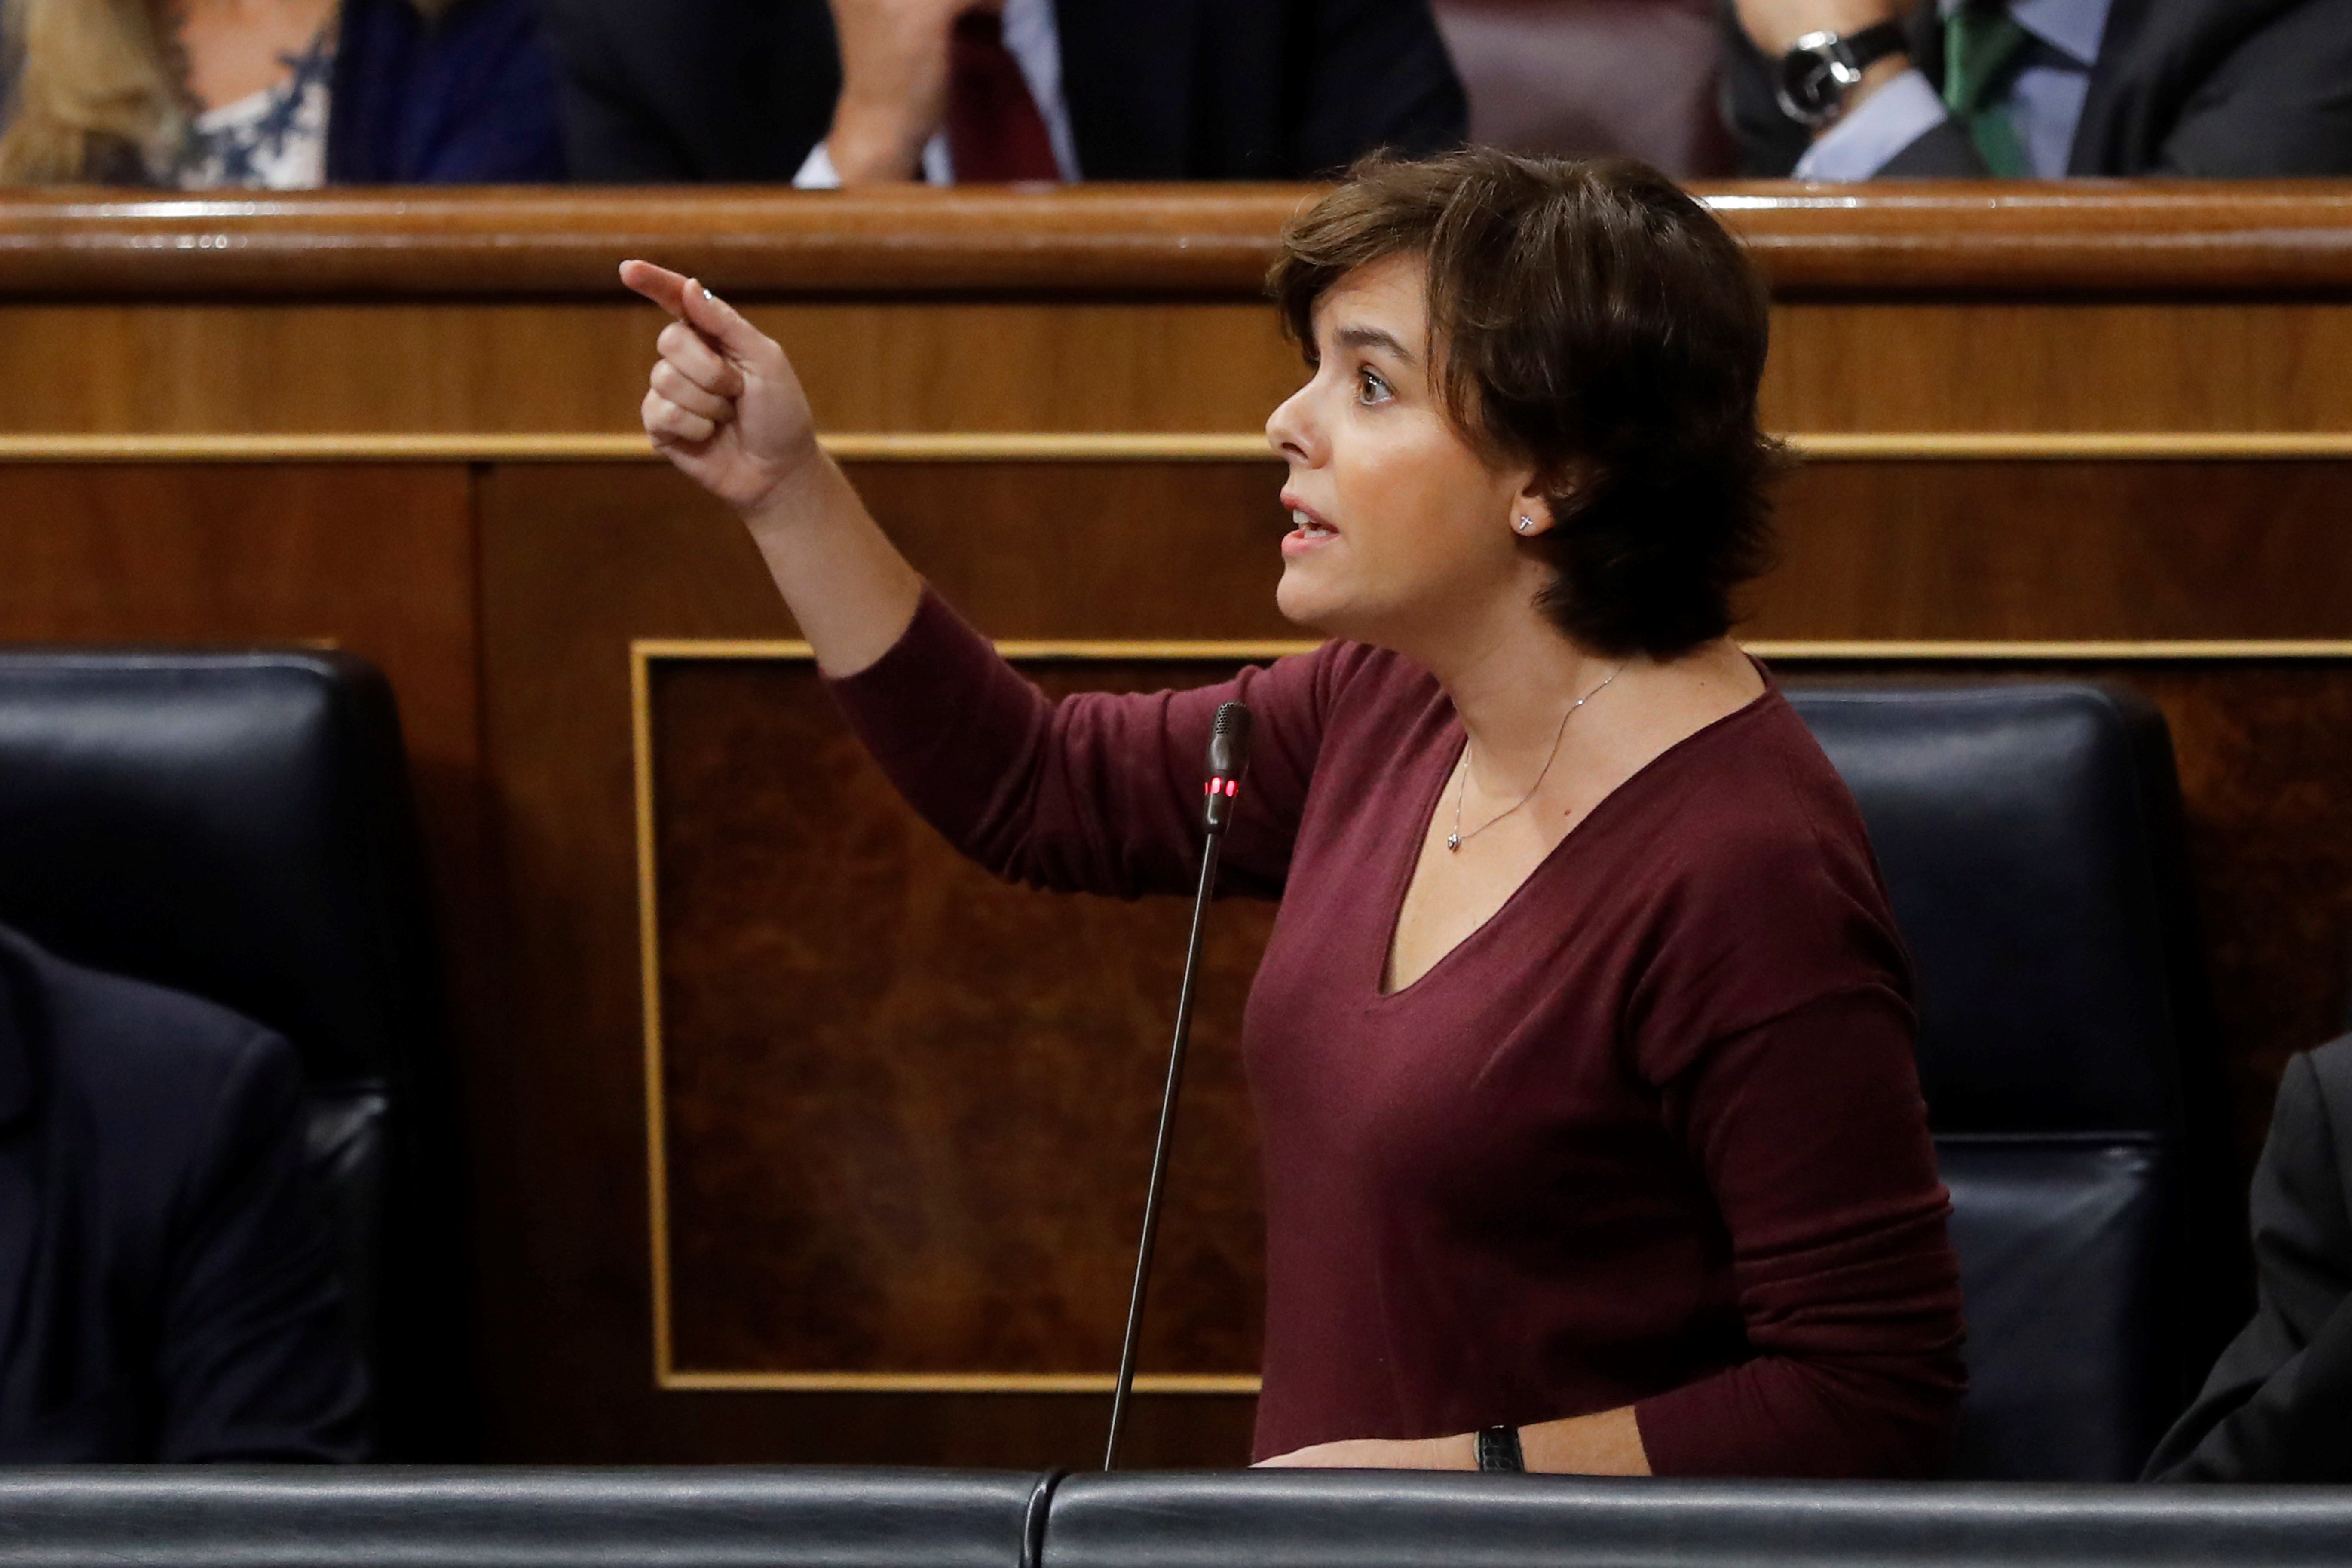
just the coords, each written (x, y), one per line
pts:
(1652, 1136)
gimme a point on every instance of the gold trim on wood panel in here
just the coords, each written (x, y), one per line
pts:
(1010, 446)
(370, 446)
(641, 747)
(497, 447)
(1846, 650)
(2075, 446)
(644, 651)
(2178, 650)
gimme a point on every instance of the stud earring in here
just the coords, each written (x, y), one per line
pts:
(1525, 523)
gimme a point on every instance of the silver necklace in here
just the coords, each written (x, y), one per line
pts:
(1457, 838)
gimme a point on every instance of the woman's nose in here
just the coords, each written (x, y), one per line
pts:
(1289, 429)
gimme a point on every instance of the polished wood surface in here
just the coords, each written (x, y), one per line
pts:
(2289, 236)
(909, 1055)
(2107, 417)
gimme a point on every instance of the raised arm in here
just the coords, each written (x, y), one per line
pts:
(727, 409)
(1097, 794)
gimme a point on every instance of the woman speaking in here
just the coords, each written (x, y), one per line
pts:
(1581, 1050)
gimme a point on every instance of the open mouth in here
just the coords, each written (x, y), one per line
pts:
(1306, 525)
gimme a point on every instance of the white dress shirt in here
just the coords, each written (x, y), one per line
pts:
(2046, 99)
(1036, 46)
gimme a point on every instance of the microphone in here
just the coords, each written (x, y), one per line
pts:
(1229, 743)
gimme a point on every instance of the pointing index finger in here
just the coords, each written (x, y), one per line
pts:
(659, 284)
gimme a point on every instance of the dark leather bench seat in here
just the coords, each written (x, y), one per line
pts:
(1339, 1519)
(727, 1518)
(490, 1517)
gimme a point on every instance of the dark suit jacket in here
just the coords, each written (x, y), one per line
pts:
(1157, 89)
(2205, 87)
(2278, 1406)
(470, 99)
(168, 1283)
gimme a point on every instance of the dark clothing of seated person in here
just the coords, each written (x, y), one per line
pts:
(2278, 1406)
(2045, 89)
(168, 1280)
(198, 95)
(776, 91)
(1582, 1049)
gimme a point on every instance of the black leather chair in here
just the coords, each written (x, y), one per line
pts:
(524, 1518)
(238, 826)
(1302, 1518)
(2030, 837)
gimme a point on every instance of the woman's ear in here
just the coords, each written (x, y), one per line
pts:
(1535, 510)
(1531, 514)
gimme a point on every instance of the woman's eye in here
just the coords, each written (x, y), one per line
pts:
(1369, 387)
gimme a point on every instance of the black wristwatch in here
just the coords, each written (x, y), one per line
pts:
(1499, 1449)
(1820, 68)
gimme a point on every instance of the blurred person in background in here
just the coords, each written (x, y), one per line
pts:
(1856, 89)
(2278, 1405)
(947, 90)
(280, 94)
(170, 1288)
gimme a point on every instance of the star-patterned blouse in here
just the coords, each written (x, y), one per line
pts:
(272, 140)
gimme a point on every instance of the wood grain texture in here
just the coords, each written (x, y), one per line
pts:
(910, 1109)
(577, 561)
(2041, 364)
(2060, 551)
(581, 367)
(2231, 237)
(566, 369)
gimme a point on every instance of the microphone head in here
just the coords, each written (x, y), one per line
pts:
(1229, 741)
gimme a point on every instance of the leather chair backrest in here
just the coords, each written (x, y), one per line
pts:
(524, 1518)
(1589, 78)
(1400, 1518)
(2029, 836)
(237, 824)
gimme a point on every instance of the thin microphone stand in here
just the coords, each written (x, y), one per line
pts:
(1226, 765)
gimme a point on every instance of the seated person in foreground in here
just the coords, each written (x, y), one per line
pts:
(281, 94)
(1581, 1052)
(168, 1281)
(2041, 88)
(2278, 1406)
(998, 90)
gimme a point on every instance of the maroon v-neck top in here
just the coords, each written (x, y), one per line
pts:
(1650, 1136)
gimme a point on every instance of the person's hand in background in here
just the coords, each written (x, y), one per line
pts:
(1775, 24)
(893, 84)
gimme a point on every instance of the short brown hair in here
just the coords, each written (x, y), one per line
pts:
(1590, 318)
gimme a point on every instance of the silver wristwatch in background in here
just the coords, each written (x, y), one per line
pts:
(1820, 68)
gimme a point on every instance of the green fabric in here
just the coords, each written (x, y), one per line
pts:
(1983, 46)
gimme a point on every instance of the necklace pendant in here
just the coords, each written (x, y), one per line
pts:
(1454, 843)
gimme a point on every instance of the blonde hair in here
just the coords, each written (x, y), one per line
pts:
(96, 94)
(91, 92)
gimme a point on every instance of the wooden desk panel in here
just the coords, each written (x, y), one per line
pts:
(2044, 416)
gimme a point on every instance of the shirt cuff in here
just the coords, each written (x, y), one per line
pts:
(1866, 141)
(817, 172)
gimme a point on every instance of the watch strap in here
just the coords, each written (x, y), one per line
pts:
(1877, 41)
(1499, 1449)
